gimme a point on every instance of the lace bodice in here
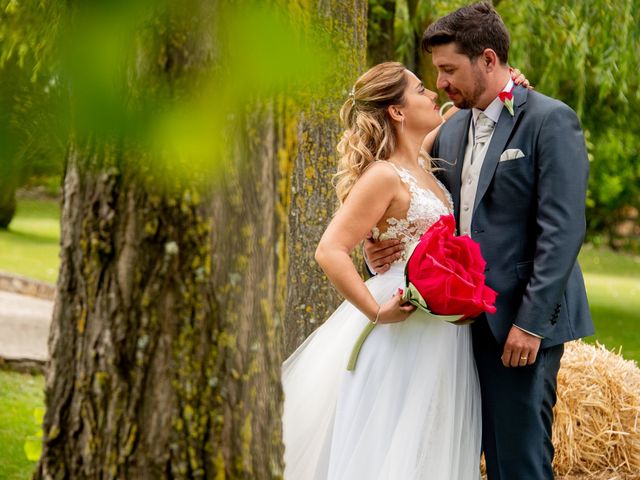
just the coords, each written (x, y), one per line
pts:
(425, 208)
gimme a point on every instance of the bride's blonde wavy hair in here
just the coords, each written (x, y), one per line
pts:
(369, 133)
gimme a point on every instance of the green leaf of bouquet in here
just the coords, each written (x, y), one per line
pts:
(415, 298)
(412, 295)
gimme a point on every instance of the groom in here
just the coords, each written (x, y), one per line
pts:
(518, 175)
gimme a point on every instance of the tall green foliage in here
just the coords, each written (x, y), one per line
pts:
(380, 31)
(584, 52)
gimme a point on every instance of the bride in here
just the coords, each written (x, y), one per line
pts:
(411, 408)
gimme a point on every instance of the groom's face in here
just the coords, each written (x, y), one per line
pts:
(461, 79)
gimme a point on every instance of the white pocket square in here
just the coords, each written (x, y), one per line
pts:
(511, 154)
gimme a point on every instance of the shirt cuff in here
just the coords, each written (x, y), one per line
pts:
(527, 331)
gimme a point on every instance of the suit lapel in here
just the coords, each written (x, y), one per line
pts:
(459, 161)
(504, 129)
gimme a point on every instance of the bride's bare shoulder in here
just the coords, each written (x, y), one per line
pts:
(374, 190)
(381, 172)
(378, 182)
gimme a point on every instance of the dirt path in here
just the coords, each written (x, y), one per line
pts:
(24, 327)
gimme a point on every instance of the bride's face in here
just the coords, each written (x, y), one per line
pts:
(421, 111)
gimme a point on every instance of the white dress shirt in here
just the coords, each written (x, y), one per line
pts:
(471, 171)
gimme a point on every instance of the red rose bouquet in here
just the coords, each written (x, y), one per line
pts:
(444, 278)
(445, 275)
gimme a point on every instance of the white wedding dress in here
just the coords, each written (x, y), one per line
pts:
(411, 408)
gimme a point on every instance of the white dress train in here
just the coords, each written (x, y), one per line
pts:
(411, 408)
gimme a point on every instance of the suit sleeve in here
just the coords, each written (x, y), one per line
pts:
(436, 144)
(562, 171)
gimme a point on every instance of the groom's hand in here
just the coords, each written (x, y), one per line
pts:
(521, 348)
(381, 254)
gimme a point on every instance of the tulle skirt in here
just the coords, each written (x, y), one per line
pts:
(409, 410)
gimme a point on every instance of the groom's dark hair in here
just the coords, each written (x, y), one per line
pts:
(472, 28)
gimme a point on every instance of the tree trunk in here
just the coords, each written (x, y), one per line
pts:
(167, 334)
(9, 167)
(310, 198)
(7, 201)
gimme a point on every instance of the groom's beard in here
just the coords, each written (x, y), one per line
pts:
(471, 100)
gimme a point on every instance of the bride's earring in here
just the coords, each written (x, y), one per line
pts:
(402, 125)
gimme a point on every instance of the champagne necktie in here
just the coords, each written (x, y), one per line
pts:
(484, 128)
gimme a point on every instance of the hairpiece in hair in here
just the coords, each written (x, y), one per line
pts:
(352, 95)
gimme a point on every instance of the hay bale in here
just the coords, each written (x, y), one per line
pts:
(597, 416)
(600, 476)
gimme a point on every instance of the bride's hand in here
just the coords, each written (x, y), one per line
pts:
(519, 79)
(392, 311)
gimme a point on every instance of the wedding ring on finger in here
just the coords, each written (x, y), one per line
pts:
(523, 360)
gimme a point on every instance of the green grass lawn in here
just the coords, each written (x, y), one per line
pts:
(613, 287)
(20, 396)
(30, 246)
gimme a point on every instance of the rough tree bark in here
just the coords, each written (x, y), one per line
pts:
(167, 334)
(310, 161)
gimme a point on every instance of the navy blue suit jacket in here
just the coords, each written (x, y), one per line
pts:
(529, 215)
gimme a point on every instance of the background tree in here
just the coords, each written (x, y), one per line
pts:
(29, 130)
(381, 31)
(176, 283)
(8, 162)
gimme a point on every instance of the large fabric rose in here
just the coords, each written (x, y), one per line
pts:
(444, 278)
(445, 274)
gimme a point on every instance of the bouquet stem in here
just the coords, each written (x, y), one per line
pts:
(353, 358)
(454, 319)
